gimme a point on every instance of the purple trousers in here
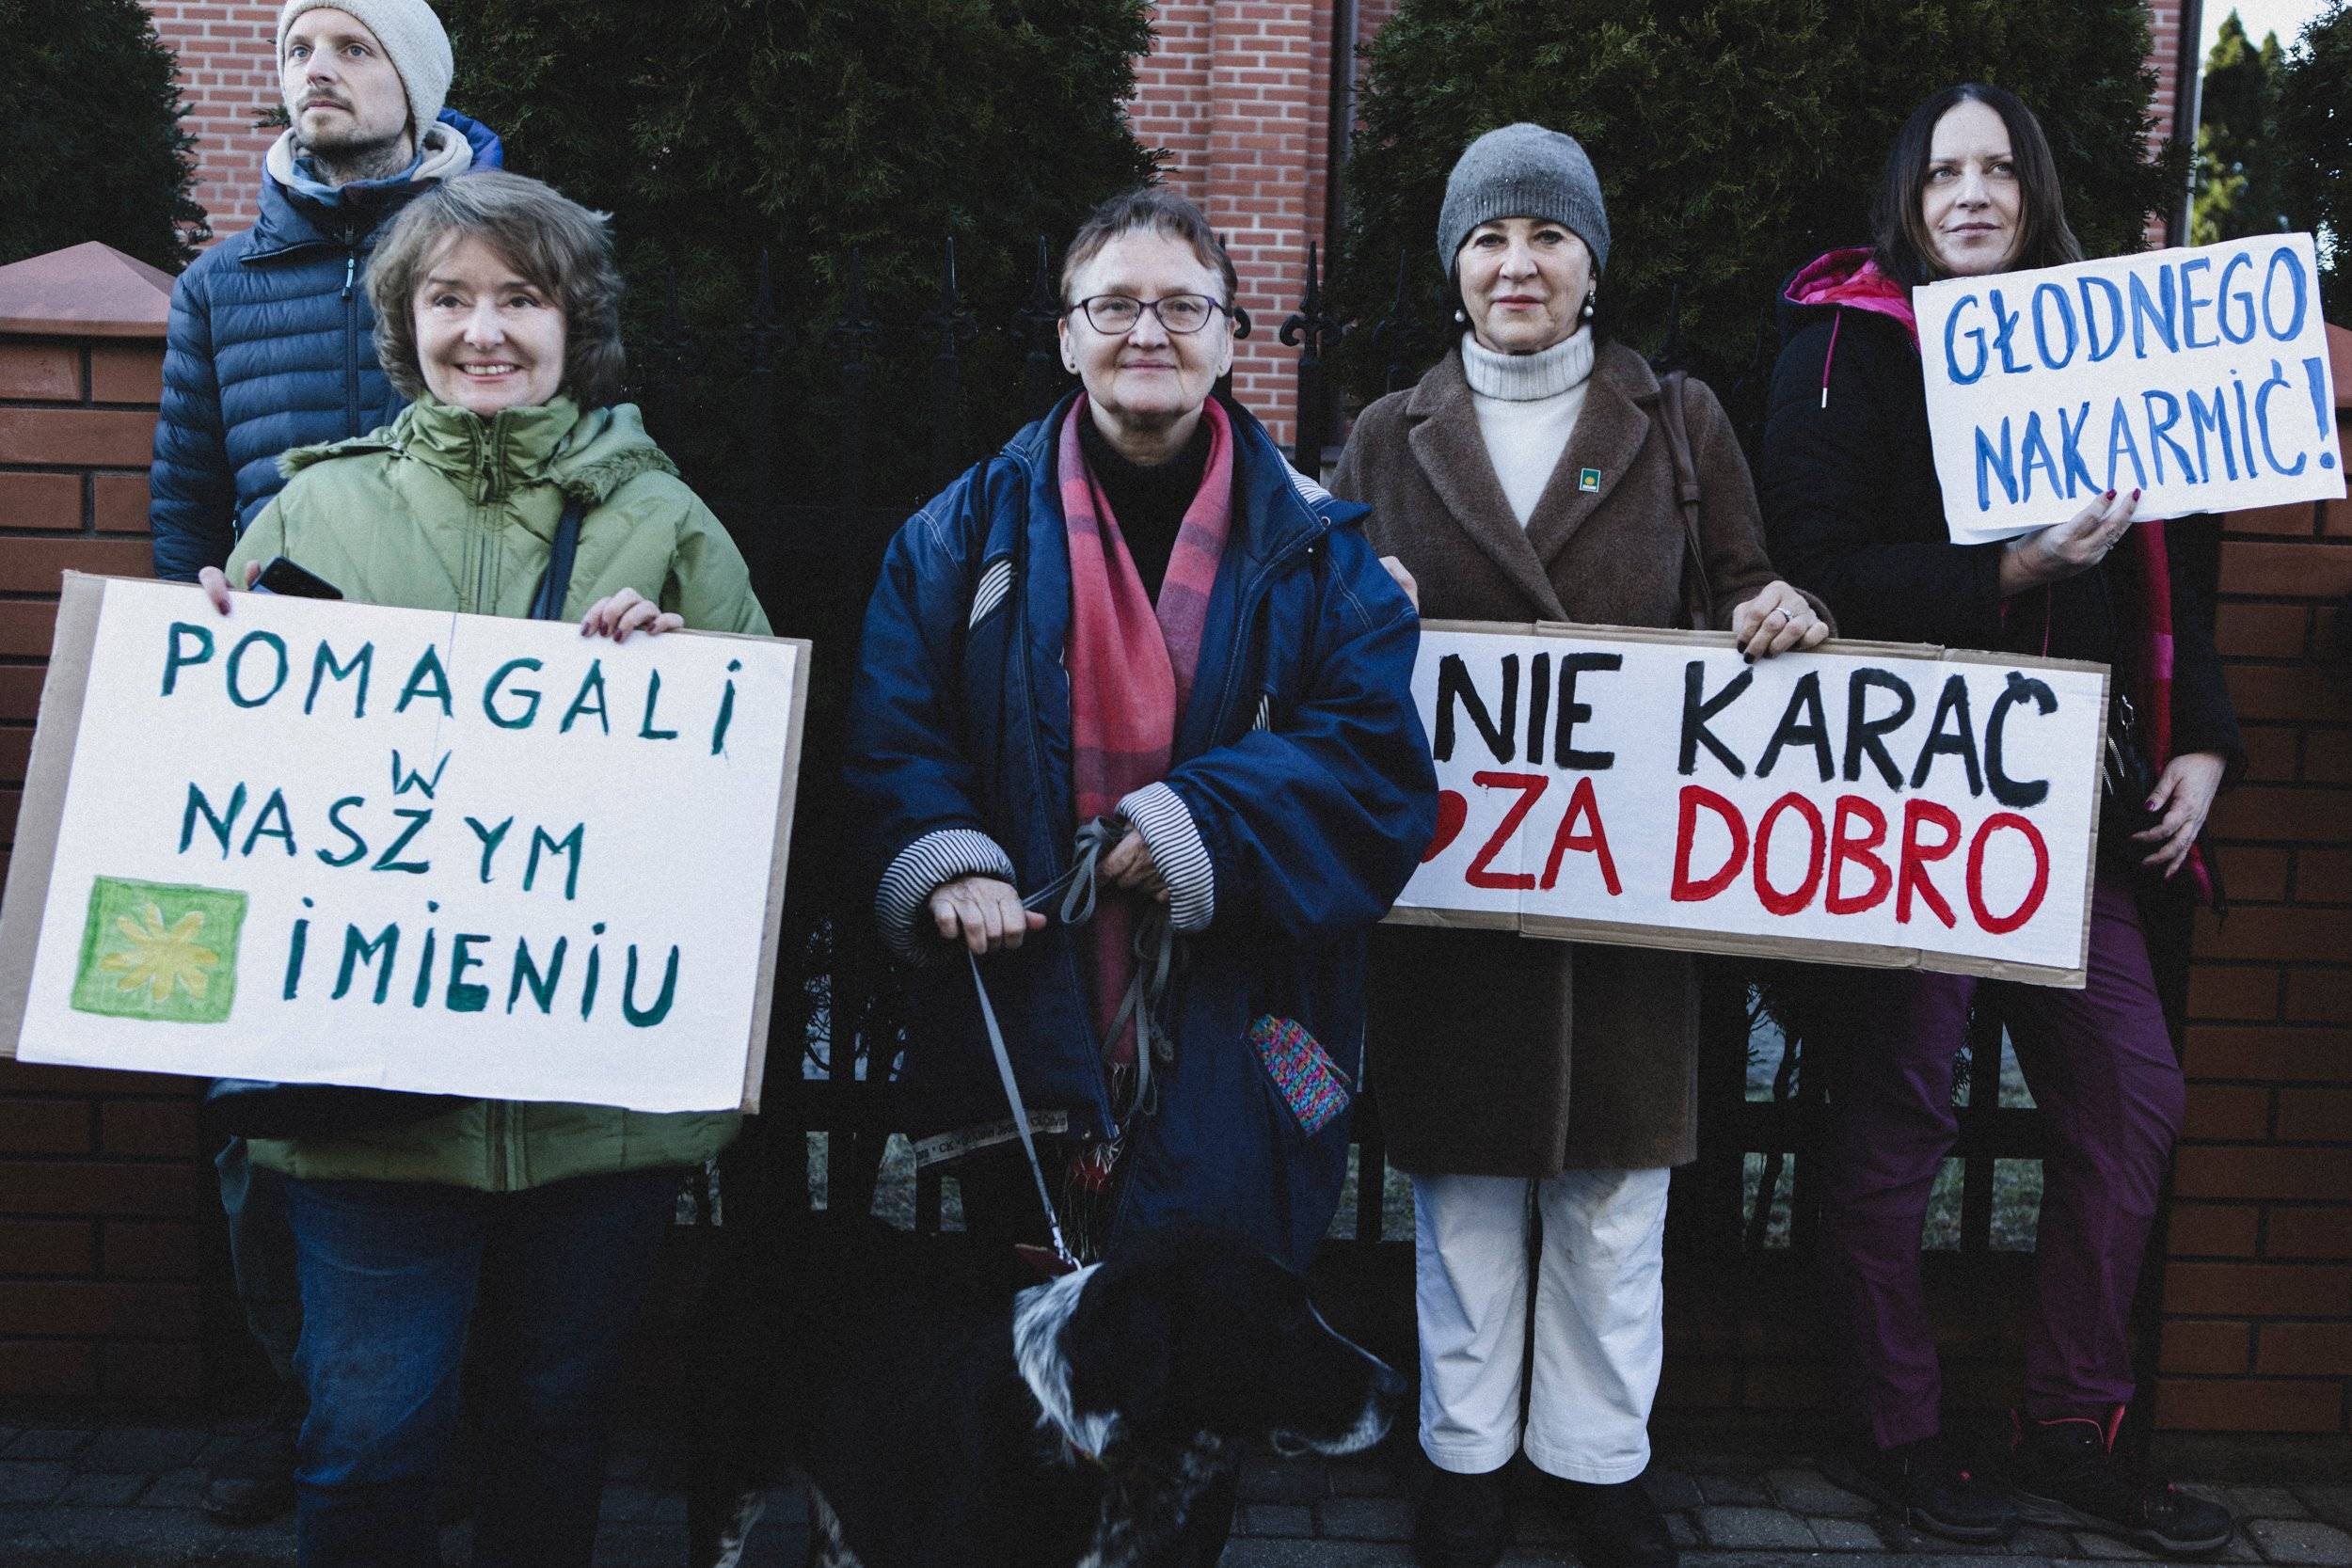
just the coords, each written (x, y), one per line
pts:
(2102, 1069)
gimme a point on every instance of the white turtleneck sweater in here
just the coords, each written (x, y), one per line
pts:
(1527, 405)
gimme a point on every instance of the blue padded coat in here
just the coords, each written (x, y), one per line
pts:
(1299, 760)
(269, 348)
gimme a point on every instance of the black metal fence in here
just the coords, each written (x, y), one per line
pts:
(838, 1029)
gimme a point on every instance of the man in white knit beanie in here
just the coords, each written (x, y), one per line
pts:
(363, 80)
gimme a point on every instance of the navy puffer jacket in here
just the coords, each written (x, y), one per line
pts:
(270, 347)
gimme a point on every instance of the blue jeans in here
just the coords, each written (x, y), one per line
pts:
(394, 1277)
(260, 1255)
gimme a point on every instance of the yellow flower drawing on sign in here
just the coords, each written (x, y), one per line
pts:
(161, 958)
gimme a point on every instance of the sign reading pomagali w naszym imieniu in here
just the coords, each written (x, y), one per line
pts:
(1867, 802)
(2198, 376)
(323, 841)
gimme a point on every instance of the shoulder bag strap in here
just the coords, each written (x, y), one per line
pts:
(548, 604)
(1698, 596)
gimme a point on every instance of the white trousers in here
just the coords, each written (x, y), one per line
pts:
(1600, 1323)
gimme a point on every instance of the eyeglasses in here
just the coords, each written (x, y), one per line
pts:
(1180, 314)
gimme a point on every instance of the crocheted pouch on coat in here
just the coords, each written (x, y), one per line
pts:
(1311, 1083)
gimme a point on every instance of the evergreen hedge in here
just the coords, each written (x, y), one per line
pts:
(1734, 141)
(2315, 122)
(92, 146)
(713, 129)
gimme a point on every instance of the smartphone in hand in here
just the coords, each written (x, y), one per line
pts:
(282, 576)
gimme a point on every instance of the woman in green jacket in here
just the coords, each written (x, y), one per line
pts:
(533, 1226)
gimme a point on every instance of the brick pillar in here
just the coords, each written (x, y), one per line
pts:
(102, 1183)
(2258, 1295)
(1238, 95)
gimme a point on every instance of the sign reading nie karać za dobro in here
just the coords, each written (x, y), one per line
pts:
(2198, 376)
(1875, 803)
(328, 842)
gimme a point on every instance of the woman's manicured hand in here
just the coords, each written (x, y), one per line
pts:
(1403, 578)
(2055, 553)
(215, 583)
(1775, 620)
(2183, 795)
(984, 914)
(1129, 865)
(618, 614)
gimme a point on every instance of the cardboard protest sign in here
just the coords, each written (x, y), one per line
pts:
(334, 843)
(2198, 376)
(1868, 802)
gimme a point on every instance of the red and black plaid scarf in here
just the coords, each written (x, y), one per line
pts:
(1131, 664)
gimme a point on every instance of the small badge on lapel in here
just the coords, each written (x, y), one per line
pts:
(1588, 481)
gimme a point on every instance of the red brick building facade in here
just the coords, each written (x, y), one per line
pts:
(103, 1195)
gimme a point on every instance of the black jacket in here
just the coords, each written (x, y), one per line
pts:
(1853, 511)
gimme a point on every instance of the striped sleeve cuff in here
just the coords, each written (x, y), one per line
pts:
(917, 873)
(1160, 814)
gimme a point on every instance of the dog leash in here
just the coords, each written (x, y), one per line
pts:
(1154, 944)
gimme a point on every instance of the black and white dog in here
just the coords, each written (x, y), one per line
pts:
(1076, 1429)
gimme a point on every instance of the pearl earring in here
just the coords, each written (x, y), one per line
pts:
(1461, 317)
(1588, 303)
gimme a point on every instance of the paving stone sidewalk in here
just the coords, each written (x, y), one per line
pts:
(128, 1497)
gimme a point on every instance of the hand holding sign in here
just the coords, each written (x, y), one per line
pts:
(1776, 620)
(2062, 551)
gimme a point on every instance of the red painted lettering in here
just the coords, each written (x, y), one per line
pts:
(2003, 924)
(1769, 896)
(1917, 855)
(1690, 890)
(1593, 841)
(1845, 847)
(1531, 788)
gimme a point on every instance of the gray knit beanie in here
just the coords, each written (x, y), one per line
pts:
(1523, 171)
(413, 42)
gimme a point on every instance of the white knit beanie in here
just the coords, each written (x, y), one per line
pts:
(413, 42)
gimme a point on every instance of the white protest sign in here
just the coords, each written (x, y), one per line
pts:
(1868, 802)
(334, 843)
(2199, 377)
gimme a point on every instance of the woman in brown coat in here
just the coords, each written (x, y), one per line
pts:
(1526, 478)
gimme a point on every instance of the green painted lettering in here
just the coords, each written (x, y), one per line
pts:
(174, 660)
(463, 995)
(645, 1018)
(428, 679)
(490, 696)
(591, 685)
(568, 845)
(360, 950)
(324, 666)
(526, 974)
(217, 822)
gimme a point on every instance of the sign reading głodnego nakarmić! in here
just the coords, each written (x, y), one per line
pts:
(2199, 377)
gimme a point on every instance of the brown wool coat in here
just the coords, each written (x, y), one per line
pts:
(1493, 1054)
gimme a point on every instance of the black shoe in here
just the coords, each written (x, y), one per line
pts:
(2065, 1473)
(1462, 1522)
(253, 1482)
(1930, 1488)
(1616, 1525)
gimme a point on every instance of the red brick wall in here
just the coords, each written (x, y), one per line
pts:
(227, 51)
(1238, 93)
(2258, 1297)
(102, 1189)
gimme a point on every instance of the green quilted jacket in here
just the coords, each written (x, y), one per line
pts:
(444, 510)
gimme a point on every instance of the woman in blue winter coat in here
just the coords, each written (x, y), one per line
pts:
(1136, 642)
